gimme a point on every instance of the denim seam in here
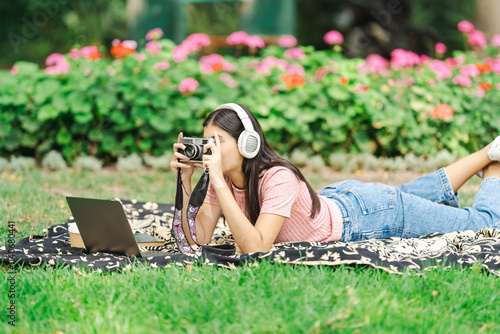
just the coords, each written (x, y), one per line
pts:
(351, 217)
(448, 190)
(490, 179)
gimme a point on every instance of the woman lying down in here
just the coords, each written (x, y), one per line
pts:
(266, 199)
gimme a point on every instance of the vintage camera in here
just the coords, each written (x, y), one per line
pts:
(194, 148)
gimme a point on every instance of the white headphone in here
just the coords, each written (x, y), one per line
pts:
(249, 139)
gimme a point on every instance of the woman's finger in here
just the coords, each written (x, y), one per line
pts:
(217, 140)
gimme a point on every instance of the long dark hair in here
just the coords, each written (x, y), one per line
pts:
(267, 158)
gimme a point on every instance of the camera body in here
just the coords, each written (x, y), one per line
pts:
(194, 148)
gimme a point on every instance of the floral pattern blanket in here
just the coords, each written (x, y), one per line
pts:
(394, 255)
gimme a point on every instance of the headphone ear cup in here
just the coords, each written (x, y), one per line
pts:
(249, 144)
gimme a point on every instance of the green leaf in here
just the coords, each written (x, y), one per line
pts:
(26, 68)
(337, 93)
(63, 137)
(29, 140)
(161, 124)
(83, 118)
(118, 117)
(60, 102)
(79, 103)
(30, 124)
(47, 112)
(105, 103)
(145, 145)
(13, 139)
(44, 89)
(109, 143)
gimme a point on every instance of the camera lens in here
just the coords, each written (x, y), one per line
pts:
(192, 151)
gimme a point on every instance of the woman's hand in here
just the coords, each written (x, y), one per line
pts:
(214, 163)
(186, 167)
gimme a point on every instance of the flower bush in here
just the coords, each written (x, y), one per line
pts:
(316, 101)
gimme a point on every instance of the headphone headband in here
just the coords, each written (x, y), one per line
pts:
(247, 123)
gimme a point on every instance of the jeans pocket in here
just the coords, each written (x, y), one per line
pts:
(373, 197)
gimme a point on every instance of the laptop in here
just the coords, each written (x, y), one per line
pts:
(104, 227)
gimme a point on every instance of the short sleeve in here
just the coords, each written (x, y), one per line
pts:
(211, 197)
(280, 189)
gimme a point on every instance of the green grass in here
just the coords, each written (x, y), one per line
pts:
(269, 298)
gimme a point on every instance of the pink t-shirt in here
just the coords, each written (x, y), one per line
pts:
(282, 193)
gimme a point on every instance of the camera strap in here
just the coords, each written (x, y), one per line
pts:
(195, 202)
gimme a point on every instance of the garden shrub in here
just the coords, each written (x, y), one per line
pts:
(87, 163)
(54, 161)
(318, 102)
(129, 163)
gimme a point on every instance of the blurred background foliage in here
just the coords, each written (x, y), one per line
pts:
(32, 30)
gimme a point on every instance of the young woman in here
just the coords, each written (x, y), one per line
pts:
(265, 198)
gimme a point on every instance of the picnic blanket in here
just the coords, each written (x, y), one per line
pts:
(394, 255)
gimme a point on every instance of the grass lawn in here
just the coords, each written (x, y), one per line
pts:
(268, 298)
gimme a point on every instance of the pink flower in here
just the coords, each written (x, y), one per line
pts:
(295, 69)
(90, 52)
(267, 64)
(375, 63)
(237, 37)
(215, 63)
(477, 38)
(155, 33)
(179, 54)
(111, 70)
(401, 58)
(199, 39)
(74, 54)
(54, 59)
(333, 37)
(294, 53)
(153, 47)
(254, 42)
(452, 62)
(462, 80)
(495, 40)
(442, 70)
(470, 71)
(262, 69)
(193, 43)
(478, 92)
(287, 41)
(440, 48)
(321, 72)
(361, 88)
(14, 70)
(57, 64)
(495, 66)
(465, 26)
(188, 85)
(128, 43)
(424, 59)
(228, 80)
(140, 57)
(164, 65)
(87, 50)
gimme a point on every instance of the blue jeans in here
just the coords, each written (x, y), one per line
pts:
(423, 206)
